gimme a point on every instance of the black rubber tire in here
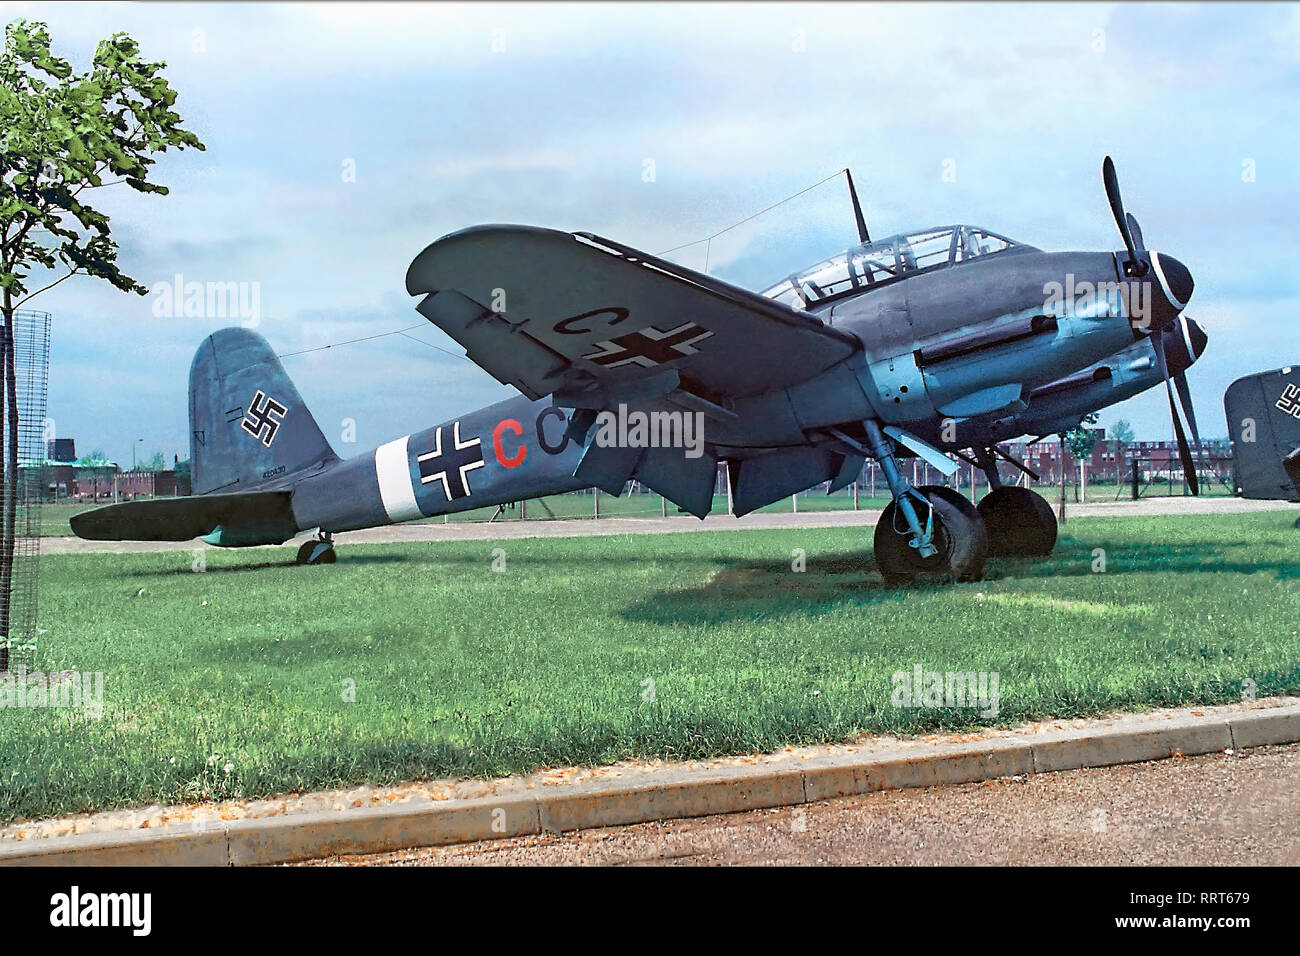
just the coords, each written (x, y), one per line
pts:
(959, 535)
(954, 498)
(1019, 521)
(328, 556)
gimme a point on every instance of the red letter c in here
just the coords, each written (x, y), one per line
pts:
(508, 424)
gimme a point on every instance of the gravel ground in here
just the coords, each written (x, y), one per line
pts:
(1214, 810)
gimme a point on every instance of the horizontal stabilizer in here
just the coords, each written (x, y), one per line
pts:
(255, 517)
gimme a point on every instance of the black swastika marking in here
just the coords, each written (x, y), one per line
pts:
(264, 417)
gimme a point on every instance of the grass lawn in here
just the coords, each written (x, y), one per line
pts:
(462, 670)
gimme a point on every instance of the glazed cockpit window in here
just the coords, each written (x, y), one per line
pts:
(885, 260)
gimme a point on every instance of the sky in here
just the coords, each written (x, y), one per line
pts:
(342, 139)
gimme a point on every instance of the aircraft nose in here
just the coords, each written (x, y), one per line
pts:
(1175, 279)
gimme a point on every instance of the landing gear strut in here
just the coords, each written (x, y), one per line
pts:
(1020, 522)
(320, 551)
(928, 530)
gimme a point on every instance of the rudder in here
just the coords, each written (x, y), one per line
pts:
(249, 427)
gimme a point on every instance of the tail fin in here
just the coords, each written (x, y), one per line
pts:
(249, 428)
(1264, 422)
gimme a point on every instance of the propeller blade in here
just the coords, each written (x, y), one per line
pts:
(1185, 399)
(1184, 452)
(1136, 232)
(1111, 182)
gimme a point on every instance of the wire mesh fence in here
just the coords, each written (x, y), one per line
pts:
(24, 489)
(1158, 469)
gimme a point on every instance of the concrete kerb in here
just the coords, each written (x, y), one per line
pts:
(664, 794)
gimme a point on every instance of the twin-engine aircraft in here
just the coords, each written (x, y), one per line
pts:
(630, 367)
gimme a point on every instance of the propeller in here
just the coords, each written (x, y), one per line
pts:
(1126, 223)
(1184, 452)
(1136, 232)
(1173, 284)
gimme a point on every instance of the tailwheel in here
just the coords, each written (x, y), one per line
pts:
(1019, 522)
(958, 536)
(320, 551)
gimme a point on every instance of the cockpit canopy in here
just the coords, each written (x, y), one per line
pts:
(875, 263)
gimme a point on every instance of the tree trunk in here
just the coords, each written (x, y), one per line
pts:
(1060, 517)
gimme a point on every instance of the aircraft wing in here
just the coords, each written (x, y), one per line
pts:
(547, 311)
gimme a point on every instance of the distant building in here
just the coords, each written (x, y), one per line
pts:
(62, 476)
(62, 450)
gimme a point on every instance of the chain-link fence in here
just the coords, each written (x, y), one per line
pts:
(1158, 468)
(24, 491)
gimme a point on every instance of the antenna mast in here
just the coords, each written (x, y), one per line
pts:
(857, 209)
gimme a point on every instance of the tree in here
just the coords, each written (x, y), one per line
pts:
(1081, 440)
(96, 458)
(63, 135)
(156, 463)
(1122, 432)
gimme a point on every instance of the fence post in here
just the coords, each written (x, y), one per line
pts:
(596, 499)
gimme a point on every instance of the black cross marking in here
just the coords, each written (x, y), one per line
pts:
(264, 412)
(457, 462)
(649, 346)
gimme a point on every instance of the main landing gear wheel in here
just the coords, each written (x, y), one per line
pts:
(959, 536)
(320, 551)
(1019, 522)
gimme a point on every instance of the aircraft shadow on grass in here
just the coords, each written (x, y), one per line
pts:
(745, 589)
(428, 557)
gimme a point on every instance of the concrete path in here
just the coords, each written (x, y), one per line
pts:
(1227, 809)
